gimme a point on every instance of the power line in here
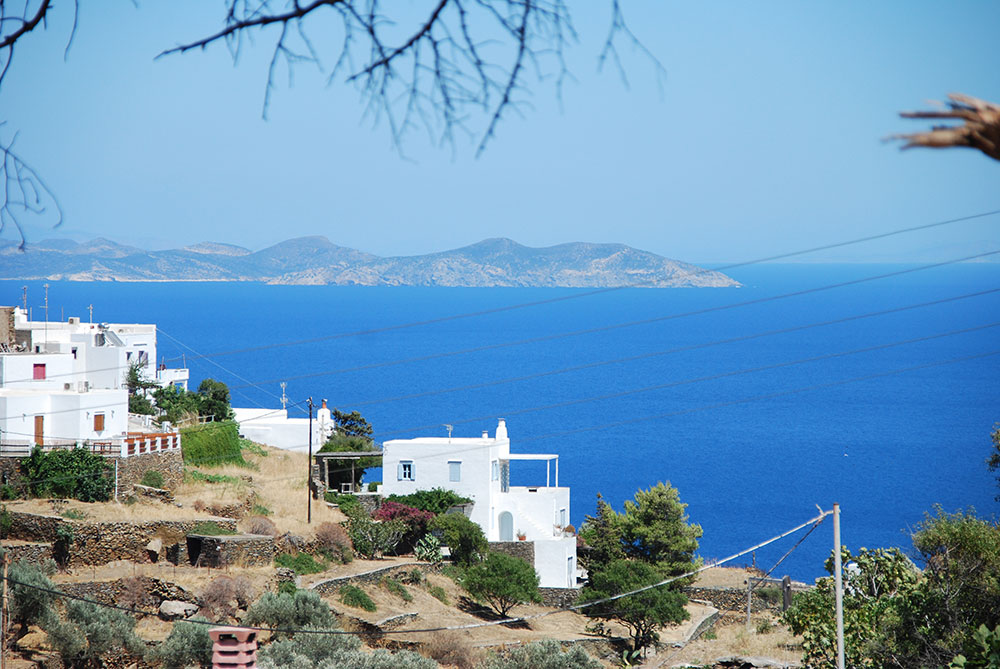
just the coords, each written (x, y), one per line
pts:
(563, 298)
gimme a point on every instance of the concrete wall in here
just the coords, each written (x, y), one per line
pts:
(555, 562)
(68, 415)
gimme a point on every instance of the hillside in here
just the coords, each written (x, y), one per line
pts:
(317, 261)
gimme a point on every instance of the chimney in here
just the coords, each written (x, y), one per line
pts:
(501, 430)
(486, 434)
(233, 648)
(324, 405)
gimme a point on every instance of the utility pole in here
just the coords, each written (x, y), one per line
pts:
(839, 585)
(284, 398)
(24, 298)
(4, 612)
(309, 467)
(90, 308)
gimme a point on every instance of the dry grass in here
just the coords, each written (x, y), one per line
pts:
(194, 579)
(140, 511)
(732, 638)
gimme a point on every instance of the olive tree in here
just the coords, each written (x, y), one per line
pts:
(502, 582)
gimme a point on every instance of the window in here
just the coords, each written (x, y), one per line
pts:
(38, 371)
(405, 471)
(98, 422)
(562, 517)
(74, 352)
(454, 471)
(495, 475)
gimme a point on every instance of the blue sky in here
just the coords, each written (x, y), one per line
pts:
(762, 137)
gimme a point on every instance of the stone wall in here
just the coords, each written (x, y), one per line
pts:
(521, 549)
(332, 586)
(559, 597)
(30, 552)
(10, 471)
(143, 592)
(100, 543)
(728, 600)
(242, 550)
(169, 463)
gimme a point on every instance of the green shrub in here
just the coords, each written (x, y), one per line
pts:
(373, 486)
(197, 476)
(8, 491)
(437, 500)
(260, 510)
(152, 478)
(414, 577)
(29, 603)
(188, 644)
(335, 542)
(302, 563)
(6, 522)
(462, 536)
(76, 473)
(211, 529)
(438, 593)
(302, 609)
(349, 504)
(287, 587)
(91, 632)
(374, 540)
(212, 445)
(502, 582)
(352, 595)
(397, 588)
(73, 514)
(547, 654)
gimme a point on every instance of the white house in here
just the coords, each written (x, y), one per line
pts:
(479, 468)
(62, 384)
(274, 428)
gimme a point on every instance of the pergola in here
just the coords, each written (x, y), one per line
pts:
(324, 459)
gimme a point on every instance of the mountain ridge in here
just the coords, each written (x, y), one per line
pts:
(315, 260)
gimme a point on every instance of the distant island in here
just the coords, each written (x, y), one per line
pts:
(317, 261)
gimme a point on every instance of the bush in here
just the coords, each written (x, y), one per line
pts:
(212, 445)
(352, 595)
(224, 595)
(335, 542)
(30, 605)
(6, 522)
(452, 650)
(92, 632)
(547, 654)
(349, 504)
(462, 536)
(437, 500)
(414, 577)
(302, 610)
(502, 582)
(373, 540)
(261, 525)
(76, 473)
(152, 478)
(415, 520)
(188, 644)
(373, 486)
(397, 588)
(197, 476)
(304, 651)
(302, 563)
(260, 510)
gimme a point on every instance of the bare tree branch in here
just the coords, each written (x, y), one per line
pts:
(980, 130)
(438, 68)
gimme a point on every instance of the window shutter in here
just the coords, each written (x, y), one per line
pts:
(413, 471)
(399, 471)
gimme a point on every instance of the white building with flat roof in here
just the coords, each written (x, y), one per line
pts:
(63, 384)
(274, 428)
(479, 469)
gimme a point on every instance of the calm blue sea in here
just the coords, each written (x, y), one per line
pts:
(752, 452)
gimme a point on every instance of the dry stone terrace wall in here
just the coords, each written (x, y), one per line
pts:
(170, 464)
(332, 586)
(519, 549)
(32, 552)
(100, 543)
(140, 591)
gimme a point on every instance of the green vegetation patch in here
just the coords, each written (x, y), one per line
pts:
(212, 445)
(74, 514)
(438, 593)
(253, 448)
(397, 588)
(352, 595)
(437, 500)
(195, 475)
(211, 529)
(152, 478)
(75, 473)
(302, 563)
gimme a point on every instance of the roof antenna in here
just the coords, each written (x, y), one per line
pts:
(449, 428)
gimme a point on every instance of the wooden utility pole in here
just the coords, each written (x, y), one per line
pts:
(4, 613)
(838, 577)
(309, 467)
